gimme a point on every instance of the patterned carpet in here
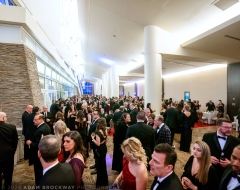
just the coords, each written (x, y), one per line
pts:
(24, 176)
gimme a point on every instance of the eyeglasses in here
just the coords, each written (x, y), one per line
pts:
(225, 127)
(35, 119)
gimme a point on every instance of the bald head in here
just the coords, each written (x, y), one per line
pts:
(29, 108)
(3, 117)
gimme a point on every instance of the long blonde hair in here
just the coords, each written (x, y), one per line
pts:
(60, 128)
(205, 162)
(133, 147)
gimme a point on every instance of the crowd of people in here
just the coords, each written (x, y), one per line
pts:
(58, 142)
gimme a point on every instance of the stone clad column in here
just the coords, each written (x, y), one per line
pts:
(152, 68)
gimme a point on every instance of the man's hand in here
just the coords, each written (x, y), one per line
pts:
(214, 160)
(224, 162)
(28, 142)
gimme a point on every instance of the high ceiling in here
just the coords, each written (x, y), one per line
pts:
(113, 32)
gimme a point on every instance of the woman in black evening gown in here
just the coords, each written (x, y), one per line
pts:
(99, 139)
(119, 137)
(198, 171)
(186, 131)
(80, 126)
(71, 117)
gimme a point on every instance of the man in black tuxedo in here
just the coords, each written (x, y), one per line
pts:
(28, 111)
(126, 107)
(117, 115)
(116, 106)
(221, 145)
(143, 132)
(48, 118)
(171, 119)
(96, 116)
(102, 114)
(55, 108)
(133, 114)
(161, 130)
(30, 126)
(8, 142)
(55, 174)
(162, 167)
(147, 113)
(210, 106)
(231, 176)
(42, 130)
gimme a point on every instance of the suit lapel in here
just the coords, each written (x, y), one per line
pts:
(161, 129)
(216, 142)
(227, 143)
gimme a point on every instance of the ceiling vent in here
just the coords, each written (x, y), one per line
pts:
(224, 4)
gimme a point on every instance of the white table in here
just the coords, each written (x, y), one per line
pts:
(236, 120)
(19, 151)
(209, 116)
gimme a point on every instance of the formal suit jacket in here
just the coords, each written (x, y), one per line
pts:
(116, 117)
(145, 134)
(103, 115)
(171, 117)
(108, 119)
(210, 106)
(171, 182)
(215, 148)
(92, 129)
(24, 115)
(60, 175)
(49, 116)
(8, 140)
(163, 135)
(116, 106)
(226, 177)
(44, 130)
(54, 109)
(30, 127)
(133, 115)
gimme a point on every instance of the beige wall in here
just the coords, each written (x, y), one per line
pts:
(202, 86)
(129, 88)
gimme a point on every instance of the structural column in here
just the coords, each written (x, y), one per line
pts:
(152, 68)
(96, 88)
(114, 82)
(109, 79)
(104, 84)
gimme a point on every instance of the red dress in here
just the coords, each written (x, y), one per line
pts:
(129, 181)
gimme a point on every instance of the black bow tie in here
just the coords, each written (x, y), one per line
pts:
(224, 138)
(158, 182)
(234, 175)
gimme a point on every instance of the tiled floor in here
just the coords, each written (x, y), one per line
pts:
(23, 174)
